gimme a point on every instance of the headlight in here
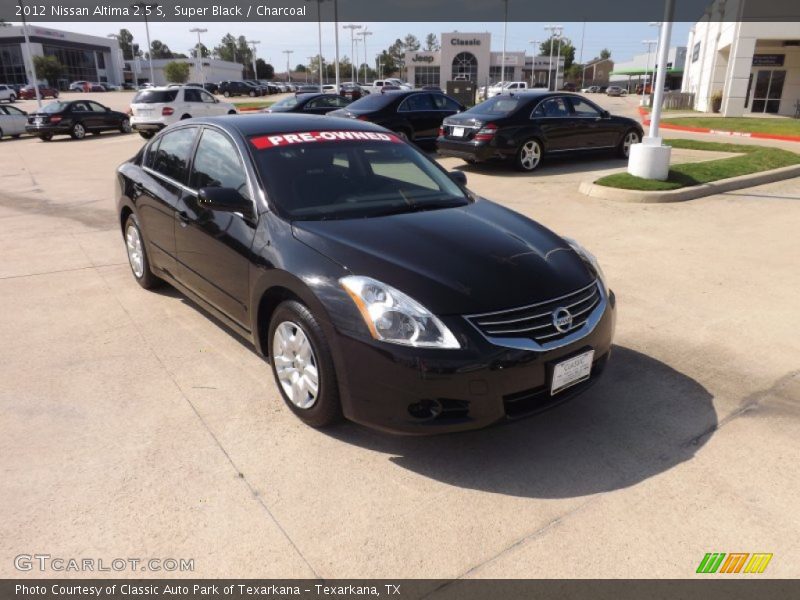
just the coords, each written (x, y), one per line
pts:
(588, 257)
(391, 316)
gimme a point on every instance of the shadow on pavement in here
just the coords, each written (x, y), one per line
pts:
(588, 162)
(640, 419)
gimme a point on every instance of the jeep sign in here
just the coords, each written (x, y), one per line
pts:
(422, 58)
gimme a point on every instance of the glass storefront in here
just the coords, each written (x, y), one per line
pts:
(426, 76)
(78, 64)
(494, 74)
(465, 64)
(12, 67)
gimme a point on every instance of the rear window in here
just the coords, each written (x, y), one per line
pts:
(155, 96)
(372, 102)
(285, 104)
(55, 107)
(499, 105)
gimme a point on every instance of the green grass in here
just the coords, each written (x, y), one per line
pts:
(776, 126)
(754, 160)
(254, 104)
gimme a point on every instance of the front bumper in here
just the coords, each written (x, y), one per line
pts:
(383, 384)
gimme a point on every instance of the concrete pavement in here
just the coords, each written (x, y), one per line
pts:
(135, 426)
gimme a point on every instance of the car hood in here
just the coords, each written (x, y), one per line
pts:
(476, 258)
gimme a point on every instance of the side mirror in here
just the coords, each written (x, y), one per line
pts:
(605, 114)
(108, 109)
(459, 177)
(224, 199)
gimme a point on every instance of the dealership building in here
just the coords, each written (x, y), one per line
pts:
(469, 55)
(641, 69)
(755, 66)
(208, 69)
(84, 57)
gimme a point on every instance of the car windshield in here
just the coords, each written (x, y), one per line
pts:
(498, 105)
(55, 107)
(371, 102)
(336, 175)
(285, 104)
(155, 96)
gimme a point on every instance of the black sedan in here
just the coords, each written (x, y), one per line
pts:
(412, 115)
(313, 104)
(377, 285)
(238, 88)
(524, 127)
(76, 119)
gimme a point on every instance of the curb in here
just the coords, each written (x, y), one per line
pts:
(689, 193)
(763, 136)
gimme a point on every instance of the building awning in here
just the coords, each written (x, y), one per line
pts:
(674, 71)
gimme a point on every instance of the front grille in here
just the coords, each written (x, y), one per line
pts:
(536, 321)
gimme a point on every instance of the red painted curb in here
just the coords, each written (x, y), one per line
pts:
(764, 136)
(248, 109)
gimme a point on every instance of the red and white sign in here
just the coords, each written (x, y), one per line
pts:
(311, 137)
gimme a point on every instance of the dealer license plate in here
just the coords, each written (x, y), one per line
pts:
(458, 132)
(571, 371)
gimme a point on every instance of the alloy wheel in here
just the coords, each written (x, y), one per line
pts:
(78, 131)
(133, 242)
(631, 138)
(126, 126)
(530, 154)
(295, 364)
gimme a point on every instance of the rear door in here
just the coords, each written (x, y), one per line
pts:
(555, 120)
(193, 104)
(166, 165)
(213, 247)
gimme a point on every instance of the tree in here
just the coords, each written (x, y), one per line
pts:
(264, 70)
(388, 63)
(176, 72)
(234, 49)
(204, 51)
(411, 43)
(48, 67)
(159, 49)
(432, 43)
(129, 49)
(299, 68)
(605, 53)
(567, 50)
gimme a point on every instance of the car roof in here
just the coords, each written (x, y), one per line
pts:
(263, 124)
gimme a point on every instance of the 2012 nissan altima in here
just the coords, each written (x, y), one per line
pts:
(376, 284)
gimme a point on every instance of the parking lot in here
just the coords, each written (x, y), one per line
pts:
(134, 425)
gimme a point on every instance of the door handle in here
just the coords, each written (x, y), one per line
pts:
(183, 217)
(138, 188)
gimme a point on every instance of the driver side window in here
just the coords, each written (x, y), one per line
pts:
(217, 164)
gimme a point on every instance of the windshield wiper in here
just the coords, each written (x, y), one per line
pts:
(419, 207)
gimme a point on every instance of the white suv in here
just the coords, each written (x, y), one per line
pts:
(155, 108)
(7, 93)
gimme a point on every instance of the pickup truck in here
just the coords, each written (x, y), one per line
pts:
(376, 86)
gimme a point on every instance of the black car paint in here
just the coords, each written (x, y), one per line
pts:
(479, 257)
(416, 125)
(310, 104)
(92, 121)
(556, 134)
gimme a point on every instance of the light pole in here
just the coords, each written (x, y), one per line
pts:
(199, 53)
(336, 39)
(352, 28)
(533, 58)
(364, 35)
(505, 31)
(558, 58)
(580, 58)
(30, 56)
(288, 54)
(310, 63)
(253, 56)
(146, 7)
(551, 29)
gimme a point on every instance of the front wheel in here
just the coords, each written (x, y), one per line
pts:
(137, 255)
(528, 156)
(55, 95)
(125, 127)
(12, 99)
(403, 135)
(629, 139)
(146, 134)
(46, 137)
(252, 94)
(302, 365)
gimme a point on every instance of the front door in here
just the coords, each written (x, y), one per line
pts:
(768, 90)
(213, 247)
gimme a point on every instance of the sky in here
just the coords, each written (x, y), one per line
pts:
(623, 39)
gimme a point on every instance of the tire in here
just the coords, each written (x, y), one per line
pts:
(1, 133)
(624, 148)
(137, 254)
(226, 93)
(404, 136)
(78, 131)
(529, 156)
(231, 112)
(320, 410)
(55, 95)
(16, 136)
(12, 99)
(46, 137)
(125, 126)
(184, 117)
(252, 94)
(146, 134)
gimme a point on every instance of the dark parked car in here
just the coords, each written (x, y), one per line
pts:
(374, 282)
(524, 127)
(29, 93)
(352, 91)
(412, 115)
(76, 119)
(271, 87)
(312, 104)
(238, 88)
(263, 90)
